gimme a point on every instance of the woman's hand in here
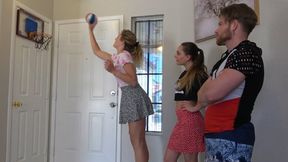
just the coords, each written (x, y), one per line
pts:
(186, 105)
(91, 26)
(109, 66)
(193, 108)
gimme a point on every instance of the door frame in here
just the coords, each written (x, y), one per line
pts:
(53, 100)
(17, 4)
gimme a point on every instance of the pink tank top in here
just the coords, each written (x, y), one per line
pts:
(119, 61)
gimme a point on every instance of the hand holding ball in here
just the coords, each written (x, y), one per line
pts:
(91, 19)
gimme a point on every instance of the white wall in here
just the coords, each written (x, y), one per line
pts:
(43, 7)
(5, 43)
(271, 35)
(0, 15)
(4, 72)
(270, 115)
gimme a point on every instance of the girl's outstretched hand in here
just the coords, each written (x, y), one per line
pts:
(91, 26)
(109, 66)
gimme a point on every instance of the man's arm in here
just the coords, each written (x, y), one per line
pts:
(214, 90)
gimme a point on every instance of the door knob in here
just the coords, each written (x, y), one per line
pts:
(14, 104)
(17, 104)
(112, 104)
(112, 93)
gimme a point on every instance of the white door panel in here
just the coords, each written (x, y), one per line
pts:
(29, 133)
(86, 125)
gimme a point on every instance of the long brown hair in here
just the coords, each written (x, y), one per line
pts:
(132, 46)
(197, 71)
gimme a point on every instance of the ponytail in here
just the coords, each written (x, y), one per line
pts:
(198, 62)
(132, 46)
(197, 71)
(138, 55)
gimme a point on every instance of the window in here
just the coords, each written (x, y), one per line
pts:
(149, 32)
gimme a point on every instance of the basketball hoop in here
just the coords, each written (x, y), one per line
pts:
(41, 39)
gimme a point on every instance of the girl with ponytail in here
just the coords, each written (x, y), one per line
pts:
(135, 104)
(187, 137)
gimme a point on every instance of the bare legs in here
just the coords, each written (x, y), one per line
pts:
(172, 156)
(191, 157)
(137, 138)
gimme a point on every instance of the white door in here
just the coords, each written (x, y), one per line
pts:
(86, 123)
(29, 132)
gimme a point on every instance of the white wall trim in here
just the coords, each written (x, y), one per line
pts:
(53, 95)
(54, 85)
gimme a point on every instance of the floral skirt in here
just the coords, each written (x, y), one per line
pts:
(135, 104)
(188, 133)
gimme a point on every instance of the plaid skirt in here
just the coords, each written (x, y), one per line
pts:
(135, 104)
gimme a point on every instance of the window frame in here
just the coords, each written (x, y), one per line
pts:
(148, 74)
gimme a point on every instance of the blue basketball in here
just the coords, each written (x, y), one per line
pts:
(91, 18)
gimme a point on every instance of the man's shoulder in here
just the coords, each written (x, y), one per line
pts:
(248, 46)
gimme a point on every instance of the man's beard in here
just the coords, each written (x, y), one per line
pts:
(225, 36)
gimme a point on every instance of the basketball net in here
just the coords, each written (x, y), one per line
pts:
(41, 39)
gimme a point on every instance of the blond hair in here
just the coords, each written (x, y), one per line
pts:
(132, 46)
